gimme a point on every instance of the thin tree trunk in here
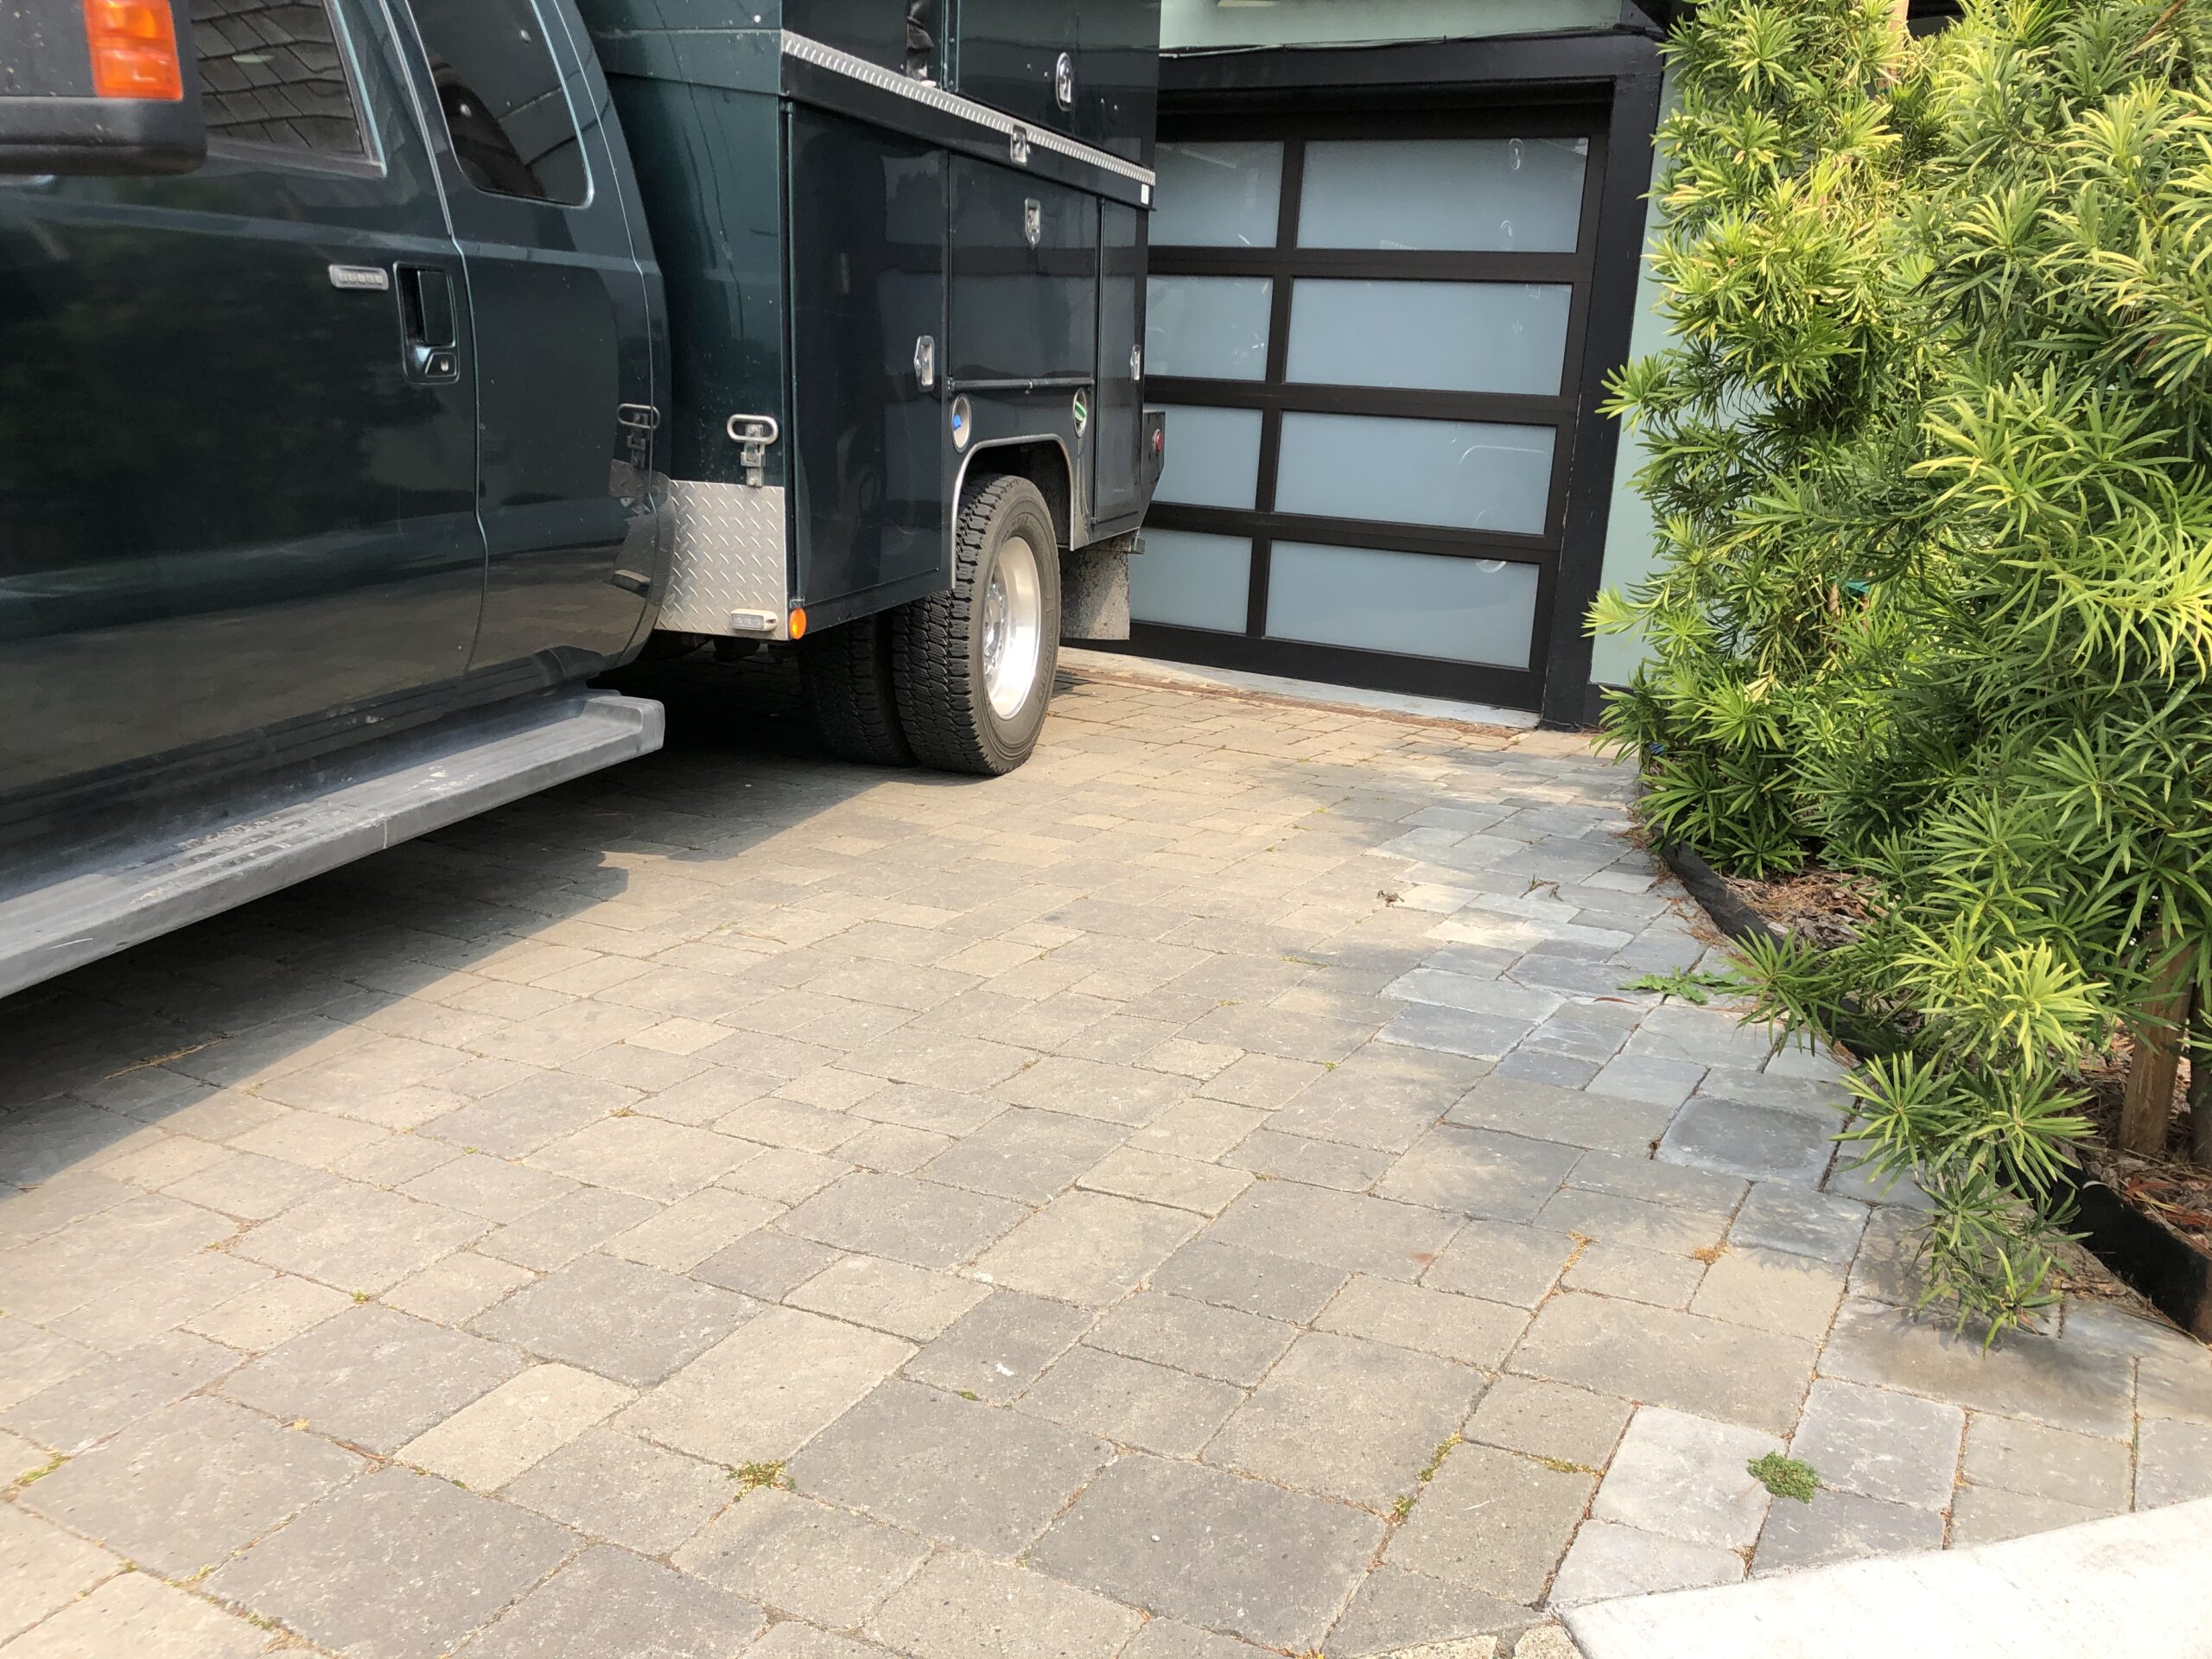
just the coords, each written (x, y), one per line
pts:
(2147, 1103)
(2200, 1083)
(1900, 15)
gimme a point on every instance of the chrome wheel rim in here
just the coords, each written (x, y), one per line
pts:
(1013, 627)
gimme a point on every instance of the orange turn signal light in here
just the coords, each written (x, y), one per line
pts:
(134, 49)
(799, 623)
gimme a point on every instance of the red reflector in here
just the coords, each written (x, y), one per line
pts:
(1159, 441)
(134, 49)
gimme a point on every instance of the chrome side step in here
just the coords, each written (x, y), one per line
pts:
(77, 904)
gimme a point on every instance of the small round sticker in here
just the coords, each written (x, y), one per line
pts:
(1082, 413)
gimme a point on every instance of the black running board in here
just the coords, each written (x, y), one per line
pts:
(97, 897)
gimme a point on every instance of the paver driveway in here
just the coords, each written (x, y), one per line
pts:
(1195, 1196)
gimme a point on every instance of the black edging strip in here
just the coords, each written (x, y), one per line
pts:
(2172, 1274)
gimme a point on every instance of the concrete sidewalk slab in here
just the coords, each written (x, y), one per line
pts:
(2134, 1585)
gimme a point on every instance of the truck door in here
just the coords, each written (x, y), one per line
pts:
(235, 492)
(537, 178)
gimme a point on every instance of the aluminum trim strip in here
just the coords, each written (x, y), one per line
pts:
(807, 50)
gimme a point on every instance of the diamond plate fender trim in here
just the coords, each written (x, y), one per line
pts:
(729, 559)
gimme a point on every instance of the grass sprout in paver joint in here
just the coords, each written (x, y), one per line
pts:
(752, 1477)
(1785, 1476)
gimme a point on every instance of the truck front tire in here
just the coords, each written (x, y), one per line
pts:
(974, 667)
(847, 675)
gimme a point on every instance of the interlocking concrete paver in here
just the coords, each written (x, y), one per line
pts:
(765, 1263)
(2173, 1463)
(1132, 1402)
(42, 1567)
(1608, 1268)
(369, 1570)
(1026, 1155)
(1347, 1418)
(1728, 1372)
(1349, 1231)
(1398, 1613)
(796, 1372)
(1842, 1527)
(2039, 1462)
(1093, 1095)
(967, 1606)
(1087, 1247)
(613, 1485)
(911, 1302)
(1464, 1328)
(496, 1436)
(1609, 1559)
(1502, 1262)
(1773, 1290)
(1778, 1217)
(923, 1222)
(1685, 1478)
(273, 1310)
(1880, 1444)
(110, 1395)
(954, 1469)
(1514, 1105)
(1220, 1551)
(181, 1490)
(610, 1601)
(373, 1377)
(1989, 1514)
(1204, 1338)
(1170, 1638)
(354, 1237)
(1549, 1419)
(634, 1324)
(804, 1557)
(2025, 1376)
(139, 1615)
(1493, 1523)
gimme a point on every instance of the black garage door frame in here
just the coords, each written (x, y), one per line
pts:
(1605, 86)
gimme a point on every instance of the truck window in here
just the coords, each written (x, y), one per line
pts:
(503, 104)
(272, 75)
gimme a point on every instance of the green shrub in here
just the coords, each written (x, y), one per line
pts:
(1956, 634)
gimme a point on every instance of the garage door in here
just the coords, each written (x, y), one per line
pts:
(1368, 333)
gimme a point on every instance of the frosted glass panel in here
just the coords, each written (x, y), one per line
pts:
(1213, 457)
(1506, 195)
(1507, 337)
(1192, 580)
(1209, 328)
(1414, 604)
(1217, 195)
(1461, 474)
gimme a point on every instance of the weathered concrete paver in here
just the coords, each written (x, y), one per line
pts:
(1208, 1194)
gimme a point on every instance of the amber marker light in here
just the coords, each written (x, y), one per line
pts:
(799, 623)
(134, 49)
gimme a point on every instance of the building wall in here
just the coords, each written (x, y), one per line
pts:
(1188, 24)
(1632, 546)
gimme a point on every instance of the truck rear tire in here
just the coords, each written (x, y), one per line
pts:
(846, 672)
(975, 666)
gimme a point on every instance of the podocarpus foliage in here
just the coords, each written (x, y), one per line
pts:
(2011, 730)
(1787, 277)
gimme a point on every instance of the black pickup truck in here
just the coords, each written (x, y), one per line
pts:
(375, 373)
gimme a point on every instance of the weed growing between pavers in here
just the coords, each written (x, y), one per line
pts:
(1690, 986)
(752, 1477)
(1404, 1506)
(1784, 1477)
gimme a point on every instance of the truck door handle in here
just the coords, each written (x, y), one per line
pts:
(427, 316)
